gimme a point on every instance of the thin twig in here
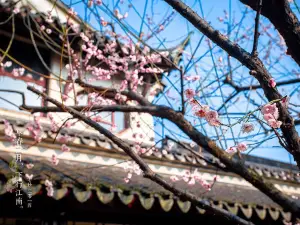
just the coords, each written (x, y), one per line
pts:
(197, 154)
(182, 90)
(148, 173)
(16, 92)
(233, 165)
(256, 32)
(111, 91)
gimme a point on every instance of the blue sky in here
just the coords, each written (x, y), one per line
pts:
(213, 11)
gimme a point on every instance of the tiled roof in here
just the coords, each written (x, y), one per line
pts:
(84, 139)
(107, 184)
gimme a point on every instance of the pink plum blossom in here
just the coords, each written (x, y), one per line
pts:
(192, 144)
(241, 147)
(231, 150)
(64, 139)
(16, 10)
(192, 181)
(49, 19)
(50, 191)
(119, 15)
(161, 27)
(205, 184)
(18, 72)
(98, 2)
(268, 117)
(274, 123)
(270, 109)
(6, 64)
(201, 112)
(189, 93)
(72, 12)
(103, 22)
(174, 178)
(272, 83)
(54, 160)
(212, 117)
(48, 183)
(285, 102)
(35, 129)
(54, 125)
(29, 166)
(65, 148)
(192, 78)
(9, 132)
(131, 168)
(247, 127)
(271, 114)
(192, 178)
(49, 188)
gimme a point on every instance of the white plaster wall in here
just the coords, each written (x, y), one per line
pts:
(44, 6)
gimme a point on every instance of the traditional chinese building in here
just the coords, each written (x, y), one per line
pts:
(88, 182)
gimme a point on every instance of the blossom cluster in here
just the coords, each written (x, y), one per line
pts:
(18, 72)
(54, 160)
(6, 64)
(247, 127)
(192, 78)
(131, 168)
(131, 62)
(15, 72)
(36, 132)
(96, 2)
(271, 114)
(240, 147)
(203, 111)
(64, 139)
(49, 188)
(192, 178)
(9, 132)
(35, 129)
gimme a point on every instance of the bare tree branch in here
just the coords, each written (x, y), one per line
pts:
(112, 92)
(233, 164)
(256, 68)
(254, 87)
(182, 90)
(102, 108)
(198, 155)
(148, 173)
(285, 21)
(256, 31)
(239, 89)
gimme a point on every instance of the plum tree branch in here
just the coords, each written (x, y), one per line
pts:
(198, 155)
(256, 67)
(239, 89)
(112, 92)
(256, 31)
(285, 21)
(254, 87)
(148, 173)
(101, 108)
(182, 90)
(233, 164)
